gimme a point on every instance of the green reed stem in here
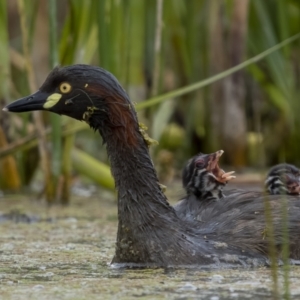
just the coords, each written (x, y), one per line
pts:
(269, 235)
(155, 100)
(55, 119)
(212, 79)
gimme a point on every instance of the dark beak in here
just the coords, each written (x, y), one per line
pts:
(35, 101)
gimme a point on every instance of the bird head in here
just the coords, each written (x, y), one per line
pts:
(283, 179)
(86, 93)
(202, 173)
(77, 91)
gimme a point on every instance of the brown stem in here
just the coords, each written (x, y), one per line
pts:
(11, 180)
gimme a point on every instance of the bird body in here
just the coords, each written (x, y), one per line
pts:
(150, 232)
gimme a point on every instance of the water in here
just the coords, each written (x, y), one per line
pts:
(64, 253)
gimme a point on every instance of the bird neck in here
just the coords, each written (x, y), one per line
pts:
(131, 165)
(132, 168)
(142, 206)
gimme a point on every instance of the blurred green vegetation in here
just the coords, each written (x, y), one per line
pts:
(154, 48)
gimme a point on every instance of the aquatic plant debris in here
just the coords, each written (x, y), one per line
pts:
(69, 258)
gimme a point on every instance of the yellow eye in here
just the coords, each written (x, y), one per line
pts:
(65, 87)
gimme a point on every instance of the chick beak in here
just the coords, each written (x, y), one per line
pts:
(214, 168)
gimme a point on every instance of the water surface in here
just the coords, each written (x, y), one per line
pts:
(64, 253)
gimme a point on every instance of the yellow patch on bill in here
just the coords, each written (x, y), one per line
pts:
(52, 100)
